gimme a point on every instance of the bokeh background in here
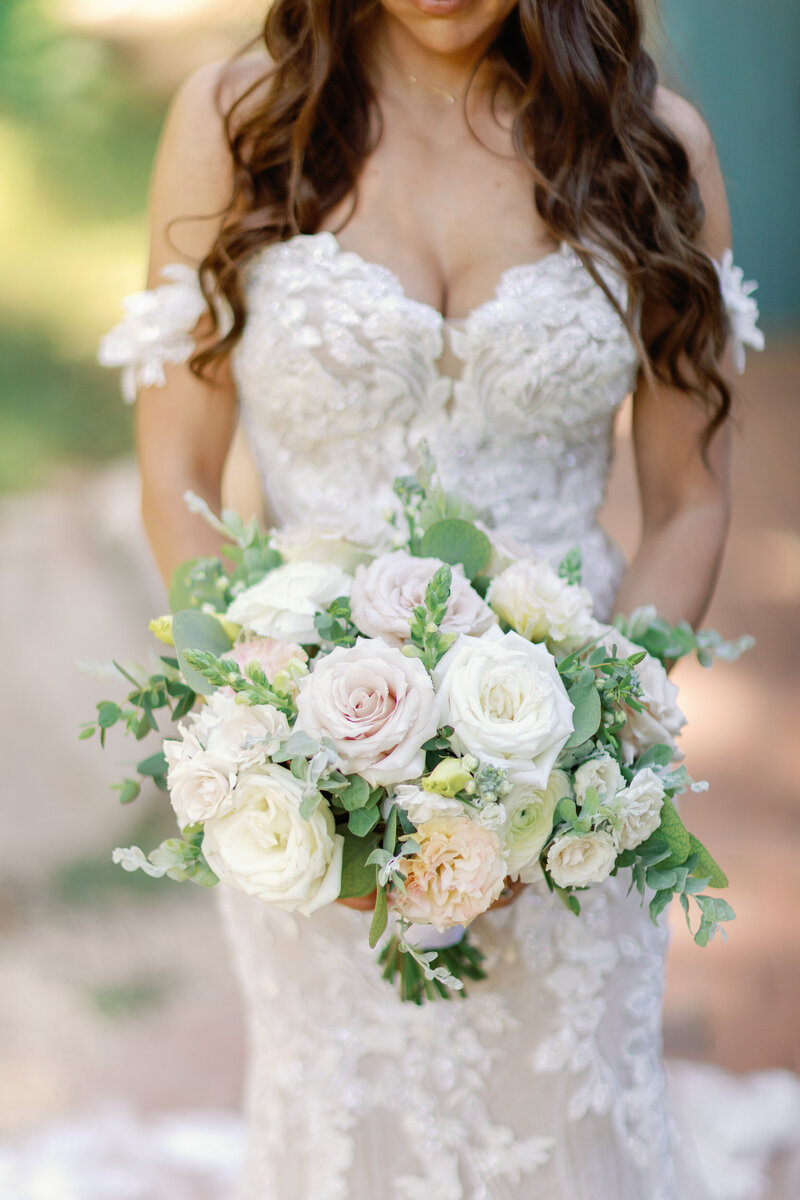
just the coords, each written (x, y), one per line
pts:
(116, 988)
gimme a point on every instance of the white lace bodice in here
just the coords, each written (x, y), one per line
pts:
(340, 374)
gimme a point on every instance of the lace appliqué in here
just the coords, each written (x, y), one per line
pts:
(605, 976)
(741, 307)
(334, 1050)
(156, 330)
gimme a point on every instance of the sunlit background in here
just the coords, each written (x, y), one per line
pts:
(115, 987)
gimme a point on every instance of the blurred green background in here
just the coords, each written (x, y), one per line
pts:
(83, 89)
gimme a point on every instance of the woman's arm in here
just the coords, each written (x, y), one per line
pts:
(184, 430)
(685, 502)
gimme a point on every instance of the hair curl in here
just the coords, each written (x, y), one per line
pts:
(603, 166)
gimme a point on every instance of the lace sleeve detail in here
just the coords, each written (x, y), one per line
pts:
(740, 306)
(156, 329)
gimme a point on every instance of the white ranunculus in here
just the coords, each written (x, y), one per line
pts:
(284, 603)
(322, 543)
(661, 720)
(533, 599)
(639, 808)
(602, 773)
(200, 786)
(575, 860)
(386, 593)
(506, 702)
(376, 706)
(529, 822)
(264, 847)
(421, 806)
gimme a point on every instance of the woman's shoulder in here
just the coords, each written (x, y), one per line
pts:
(193, 175)
(687, 124)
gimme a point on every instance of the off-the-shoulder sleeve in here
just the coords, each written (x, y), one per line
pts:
(156, 329)
(741, 308)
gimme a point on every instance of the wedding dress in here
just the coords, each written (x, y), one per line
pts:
(548, 1080)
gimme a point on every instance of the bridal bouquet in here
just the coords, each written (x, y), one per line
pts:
(423, 722)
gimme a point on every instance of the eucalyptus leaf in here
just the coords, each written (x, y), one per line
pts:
(706, 865)
(457, 541)
(198, 631)
(363, 821)
(587, 715)
(356, 795)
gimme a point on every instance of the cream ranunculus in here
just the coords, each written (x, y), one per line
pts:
(661, 720)
(386, 593)
(506, 702)
(639, 808)
(457, 873)
(529, 823)
(575, 860)
(265, 848)
(200, 784)
(284, 603)
(602, 773)
(376, 706)
(539, 605)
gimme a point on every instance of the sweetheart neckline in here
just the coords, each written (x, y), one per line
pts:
(564, 250)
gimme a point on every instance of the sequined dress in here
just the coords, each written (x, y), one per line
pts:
(548, 1081)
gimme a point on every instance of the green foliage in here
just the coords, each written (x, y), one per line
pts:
(588, 712)
(571, 566)
(457, 541)
(431, 974)
(427, 641)
(706, 865)
(358, 877)
(198, 583)
(380, 917)
(668, 643)
(197, 631)
(252, 683)
(335, 626)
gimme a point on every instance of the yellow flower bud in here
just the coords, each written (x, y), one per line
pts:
(448, 778)
(162, 628)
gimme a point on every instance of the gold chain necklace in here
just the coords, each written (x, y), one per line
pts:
(448, 97)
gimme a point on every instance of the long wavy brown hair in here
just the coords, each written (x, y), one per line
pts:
(603, 166)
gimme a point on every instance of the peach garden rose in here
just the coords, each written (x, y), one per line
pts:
(457, 873)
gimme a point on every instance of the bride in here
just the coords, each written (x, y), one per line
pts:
(482, 223)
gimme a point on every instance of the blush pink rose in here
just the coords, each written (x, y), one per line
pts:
(457, 873)
(274, 656)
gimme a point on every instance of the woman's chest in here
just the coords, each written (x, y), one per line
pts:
(334, 347)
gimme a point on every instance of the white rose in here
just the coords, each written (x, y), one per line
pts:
(421, 806)
(322, 543)
(200, 786)
(534, 600)
(602, 773)
(639, 808)
(376, 706)
(576, 860)
(284, 603)
(386, 593)
(529, 822)
(265, 848)
(506, 702)
(660, 720)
